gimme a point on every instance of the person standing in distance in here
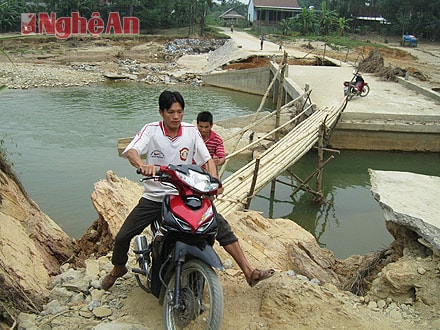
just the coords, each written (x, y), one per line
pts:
(169, 141)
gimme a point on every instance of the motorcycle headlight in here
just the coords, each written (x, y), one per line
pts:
(198, 181)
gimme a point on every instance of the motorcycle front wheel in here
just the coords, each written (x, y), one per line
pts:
(365, 91)
(200, 302)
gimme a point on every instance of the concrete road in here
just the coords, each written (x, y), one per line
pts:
(385, 98)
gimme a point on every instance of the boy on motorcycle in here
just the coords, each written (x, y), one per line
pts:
(169, 141)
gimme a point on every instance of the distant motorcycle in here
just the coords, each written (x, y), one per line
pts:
(356, 86)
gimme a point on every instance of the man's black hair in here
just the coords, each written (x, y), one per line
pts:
(204, 117)
(167, 98)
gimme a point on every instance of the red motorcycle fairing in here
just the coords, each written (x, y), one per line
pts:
(172, 222)
(194, 210)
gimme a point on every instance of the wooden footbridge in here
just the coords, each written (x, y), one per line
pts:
(307, 128)
(311, 132)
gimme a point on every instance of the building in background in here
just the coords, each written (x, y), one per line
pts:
(271, 12)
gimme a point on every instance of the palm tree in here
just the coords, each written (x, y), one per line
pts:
(343, 25)
(306, 20)
(286, 25)
(327, 19)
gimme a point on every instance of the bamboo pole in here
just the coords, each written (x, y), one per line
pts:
(254, 180)
(320, 160)
(242, 131)
(265, 135)
(270, 157)
(280, 94)
(292, 141)
(266, 94)
(276, 159)
(262, 119)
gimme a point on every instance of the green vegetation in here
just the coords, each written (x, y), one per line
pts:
(153, 14)
(421, 18)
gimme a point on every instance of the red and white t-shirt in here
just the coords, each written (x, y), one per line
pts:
(153, 142)
(214, 143)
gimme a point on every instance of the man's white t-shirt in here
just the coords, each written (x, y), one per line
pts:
(153, 142)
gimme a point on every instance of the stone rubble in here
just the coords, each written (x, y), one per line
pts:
(38, 75)
(76, 300)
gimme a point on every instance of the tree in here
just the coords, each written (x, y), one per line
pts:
(306, 21)
(84, 7)
(286, 25)
(328, 19)
(421, 18)
(10, 14)
(199, 11)
(343, 25)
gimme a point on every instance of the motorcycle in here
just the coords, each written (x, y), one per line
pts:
(177, 267)
(356, 86)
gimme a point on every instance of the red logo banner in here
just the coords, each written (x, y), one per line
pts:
(64, 27)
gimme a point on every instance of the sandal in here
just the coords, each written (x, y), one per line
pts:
(260, 275)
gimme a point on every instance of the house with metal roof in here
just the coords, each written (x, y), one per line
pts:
(231, 16)
(271, 12)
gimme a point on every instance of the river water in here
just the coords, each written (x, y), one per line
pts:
(62, 141)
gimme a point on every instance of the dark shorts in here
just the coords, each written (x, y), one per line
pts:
(143, 215)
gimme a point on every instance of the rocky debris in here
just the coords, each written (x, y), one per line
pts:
(179, 47)
(309, 277)
(412, 219)
(41, 73)
(76, 301)
(29, 75)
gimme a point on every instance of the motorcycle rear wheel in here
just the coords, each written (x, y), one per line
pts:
(365, 90)
(201, 299)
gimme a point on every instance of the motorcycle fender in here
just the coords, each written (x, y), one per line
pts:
(203, 251)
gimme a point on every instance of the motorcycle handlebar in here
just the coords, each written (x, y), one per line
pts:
(158, 173)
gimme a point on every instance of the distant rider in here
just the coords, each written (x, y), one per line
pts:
(359, 82)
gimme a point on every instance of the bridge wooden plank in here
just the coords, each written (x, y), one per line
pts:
(275, 160)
